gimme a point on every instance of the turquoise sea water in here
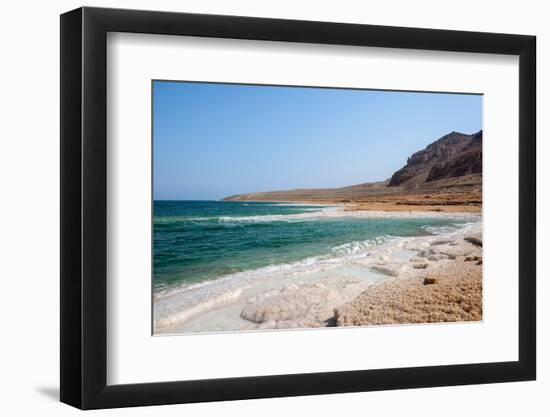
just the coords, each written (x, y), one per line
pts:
(194, 241)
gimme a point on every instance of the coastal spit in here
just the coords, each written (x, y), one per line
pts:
(445, 176)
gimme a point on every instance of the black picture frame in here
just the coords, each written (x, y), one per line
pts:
(84, 207)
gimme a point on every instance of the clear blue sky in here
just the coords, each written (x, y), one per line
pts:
(214, 140)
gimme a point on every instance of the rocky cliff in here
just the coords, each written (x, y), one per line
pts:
(454, 155)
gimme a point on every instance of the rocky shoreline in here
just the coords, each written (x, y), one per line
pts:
(442, 283)
(424, 279)
(449, 291)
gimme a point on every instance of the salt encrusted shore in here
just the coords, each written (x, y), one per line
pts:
(423, 279)
(446, 291)
(442, 283)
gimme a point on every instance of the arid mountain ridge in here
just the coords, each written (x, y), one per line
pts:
(453, 155)
(446, 173)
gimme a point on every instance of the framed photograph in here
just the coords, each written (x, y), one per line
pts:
(256, 208)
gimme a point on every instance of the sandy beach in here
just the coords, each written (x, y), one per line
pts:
(421, 279)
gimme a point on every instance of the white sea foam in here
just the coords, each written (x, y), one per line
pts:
(328, 212)
(335, 212)
(310, 214)
(300, 204)
(442, 230)
(360, 248)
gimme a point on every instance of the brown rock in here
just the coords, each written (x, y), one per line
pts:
(472, 258)
(428, 281)
(453, 155)
(474, 240)
(456, 297)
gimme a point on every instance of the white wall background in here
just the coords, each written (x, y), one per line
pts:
(29, 211)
